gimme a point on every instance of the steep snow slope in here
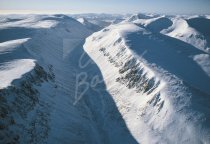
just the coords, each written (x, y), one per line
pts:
(46, 101)
(156, 82)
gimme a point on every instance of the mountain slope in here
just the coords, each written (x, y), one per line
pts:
(46, 102)
(153, 83)
(88, 25)
(133, 82)
(190, 29)
(33, 102)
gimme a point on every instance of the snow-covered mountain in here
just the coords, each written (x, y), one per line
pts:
(33, 107)
(101, 20)
(139, 79)
(89, 25)
(190, 29)
(159, 83)
(162, 93)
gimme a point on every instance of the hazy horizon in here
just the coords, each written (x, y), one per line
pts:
(102, 6)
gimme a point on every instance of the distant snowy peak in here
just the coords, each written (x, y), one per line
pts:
(35, 21)
(82, 20)
(101, 20)
(29, 22)
(190, 29)
(181, 30)
(156, 24)
(89, 25)
(141, 16)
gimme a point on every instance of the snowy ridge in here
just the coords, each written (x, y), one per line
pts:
(181, 30)
(28, 21)
(37, 92)
(142, 80)
(158, 106)
(14, 70)
(190, 29)
(41, 105)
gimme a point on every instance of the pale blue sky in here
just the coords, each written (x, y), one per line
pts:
(106, 6)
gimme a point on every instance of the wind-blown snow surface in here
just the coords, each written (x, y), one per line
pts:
(14, 70)
(144, 80)
(160, 84)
